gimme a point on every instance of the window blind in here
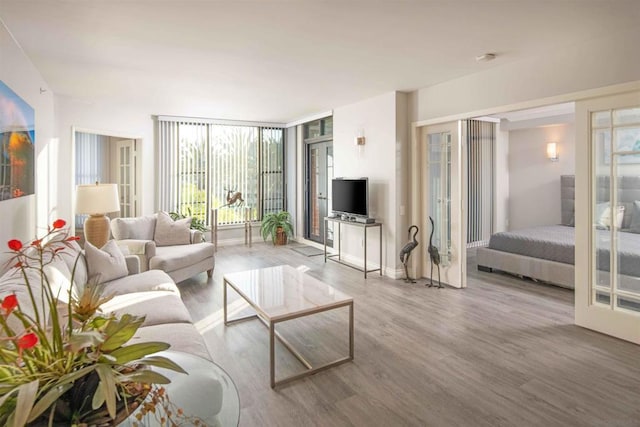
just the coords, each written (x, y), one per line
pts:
(202, 163)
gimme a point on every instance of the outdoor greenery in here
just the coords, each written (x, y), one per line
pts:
(197, 223)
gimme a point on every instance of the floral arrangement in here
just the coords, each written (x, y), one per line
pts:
(73, 364)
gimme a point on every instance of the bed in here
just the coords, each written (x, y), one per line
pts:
(547, 253)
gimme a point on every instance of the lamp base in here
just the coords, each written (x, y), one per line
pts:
(96, 230)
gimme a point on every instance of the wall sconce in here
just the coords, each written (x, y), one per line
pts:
(552, 151)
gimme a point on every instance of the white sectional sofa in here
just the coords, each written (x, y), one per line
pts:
(151, 293)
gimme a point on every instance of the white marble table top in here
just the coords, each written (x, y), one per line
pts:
(284, 291)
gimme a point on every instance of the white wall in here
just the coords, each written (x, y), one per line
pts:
(20, 217)
(376, 118)
(501, 192)
(591, 64)
(118, 120)
(534, 180)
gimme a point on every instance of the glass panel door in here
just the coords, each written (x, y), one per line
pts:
(443, 175)
(320, 173)
(608, 185)
(126, 176)
(616, 139)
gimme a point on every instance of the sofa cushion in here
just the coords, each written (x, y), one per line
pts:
(172, 258)
(182, 337)
(69, 255)
(59, 278)
(106, 263)
(151, 280)
(139, 228)
(12, 282)
(158, 307)
(169, 232)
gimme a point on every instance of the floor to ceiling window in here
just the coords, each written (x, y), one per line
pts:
(236, 169)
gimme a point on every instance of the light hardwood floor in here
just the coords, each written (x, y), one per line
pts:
(502, 352)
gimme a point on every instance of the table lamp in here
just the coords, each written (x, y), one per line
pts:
(97, 200)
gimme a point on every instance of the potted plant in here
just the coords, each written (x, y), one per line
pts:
(278, 226)
(65, 362)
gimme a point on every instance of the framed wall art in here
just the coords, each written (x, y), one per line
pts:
(17, 145)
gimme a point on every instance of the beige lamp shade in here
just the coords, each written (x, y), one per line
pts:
(97, 200)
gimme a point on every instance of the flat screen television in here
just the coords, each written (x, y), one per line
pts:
(350, 196)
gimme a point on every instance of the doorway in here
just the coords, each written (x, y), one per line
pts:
(108, 159)
(318, 143)
(319, 175)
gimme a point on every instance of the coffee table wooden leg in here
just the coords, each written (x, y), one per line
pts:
(272, 353)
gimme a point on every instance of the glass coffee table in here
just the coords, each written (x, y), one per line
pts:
(282, 293)
(207, 393)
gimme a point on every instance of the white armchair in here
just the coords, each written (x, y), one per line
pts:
(180, 261)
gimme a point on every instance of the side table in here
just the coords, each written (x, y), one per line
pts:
(207, 392)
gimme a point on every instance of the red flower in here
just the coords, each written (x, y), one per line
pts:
(72, 238)
(9, 303)
(36, 243)
(27, 341)
(15, 245)
(59, 223)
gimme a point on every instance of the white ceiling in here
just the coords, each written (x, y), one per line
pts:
(282, 60)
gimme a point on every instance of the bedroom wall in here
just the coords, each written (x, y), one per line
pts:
(21, 217)
(534, 180)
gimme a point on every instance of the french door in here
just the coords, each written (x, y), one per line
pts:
(607, 216)
(126, 176)
(319, 175)
(440, 183)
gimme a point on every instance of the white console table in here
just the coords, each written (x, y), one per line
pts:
(337, 258)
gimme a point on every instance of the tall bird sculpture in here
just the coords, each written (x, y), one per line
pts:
(434, 255)
(405, 252)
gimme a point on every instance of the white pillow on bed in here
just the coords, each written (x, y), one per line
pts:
(603, 215)
(635, 218)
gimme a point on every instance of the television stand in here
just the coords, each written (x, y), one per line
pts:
(364, 226)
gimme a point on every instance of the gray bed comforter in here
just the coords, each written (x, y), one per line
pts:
(556, 243)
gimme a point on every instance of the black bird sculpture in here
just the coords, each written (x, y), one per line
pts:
(434, 255)
(405, 252)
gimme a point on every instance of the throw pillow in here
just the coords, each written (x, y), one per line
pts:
(635, 218)
(106, 263)
(603, 216)
(170, 232)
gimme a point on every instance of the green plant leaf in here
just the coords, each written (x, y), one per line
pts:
(70, 378)
(7, 395)
(26, 398)
(98, 398)
(108, 384)
(146, 376)
(120, 331)
(86, 339)
(137, 351)
(47, 400)
(162, 362)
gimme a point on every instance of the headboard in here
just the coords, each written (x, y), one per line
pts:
(628, 192)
